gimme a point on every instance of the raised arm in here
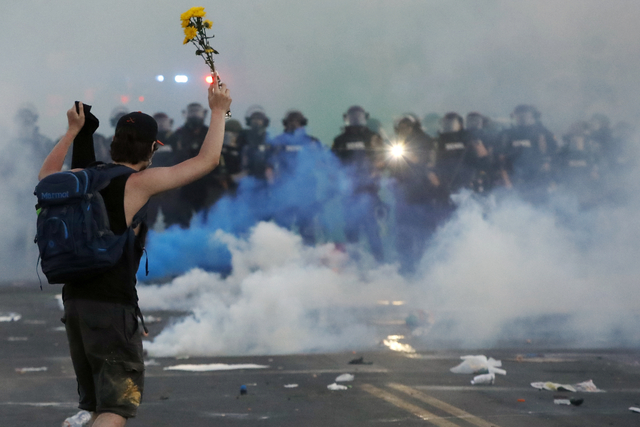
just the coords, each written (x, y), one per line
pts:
(54, 161)
(156, 180)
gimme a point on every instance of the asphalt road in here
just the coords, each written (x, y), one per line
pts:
(398, 388)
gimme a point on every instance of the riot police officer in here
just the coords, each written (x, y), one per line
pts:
(359, 151)
(411, 165)
(293, 158)
(256, 150)
(483, 139)
(254, 141)
(231, 161)
(186, 142)
(578, 163)
(167, 203)
(528, 153)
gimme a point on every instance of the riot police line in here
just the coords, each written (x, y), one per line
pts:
(290, 178)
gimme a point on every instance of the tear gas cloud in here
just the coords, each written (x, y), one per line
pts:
(499, 269)
(494, 263)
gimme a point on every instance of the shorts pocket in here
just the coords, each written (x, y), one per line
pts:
(122, 384)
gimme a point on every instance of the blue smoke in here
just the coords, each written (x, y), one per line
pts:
(310, 187)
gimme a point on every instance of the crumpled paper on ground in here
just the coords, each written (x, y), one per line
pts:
(585, 386)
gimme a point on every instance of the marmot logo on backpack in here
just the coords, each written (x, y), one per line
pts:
(48, 196)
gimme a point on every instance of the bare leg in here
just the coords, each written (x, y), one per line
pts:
(107, 419)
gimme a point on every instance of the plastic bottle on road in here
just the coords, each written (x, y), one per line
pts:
(78, 420)
(484, 379)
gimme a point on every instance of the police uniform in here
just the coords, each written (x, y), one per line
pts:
(357, 151)
(455, 158)
(293, 157)
(200, 194)
(255, 153)
(527, 154)
(414, 197)
(169, 201)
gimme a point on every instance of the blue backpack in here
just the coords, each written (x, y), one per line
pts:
(73, 232)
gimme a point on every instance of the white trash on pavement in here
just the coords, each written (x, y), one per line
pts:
(213, 367)
(344, 378)
(478, 365)
(585, 386)
(10, 317)
(484, 379)
(24, 370)
(336, 387)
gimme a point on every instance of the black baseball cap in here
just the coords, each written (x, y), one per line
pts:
(144, 125)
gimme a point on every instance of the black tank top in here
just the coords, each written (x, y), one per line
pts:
(118, 284)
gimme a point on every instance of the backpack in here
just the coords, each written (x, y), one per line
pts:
(73, 234)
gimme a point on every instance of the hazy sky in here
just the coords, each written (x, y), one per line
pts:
(570, 58)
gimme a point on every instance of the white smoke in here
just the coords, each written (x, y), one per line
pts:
(282, 297)
(498, 265)
(18, 178)
(490, 267)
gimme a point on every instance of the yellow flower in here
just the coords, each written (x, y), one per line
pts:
(186, 16)
(185, 23)
(186, 40)
(190, 32)
(208, 50)
(207, 23)
(198, 12)
(194, 12)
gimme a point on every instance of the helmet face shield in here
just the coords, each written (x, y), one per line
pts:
(356, 116)
(256, 118)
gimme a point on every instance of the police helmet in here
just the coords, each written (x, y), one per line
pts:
(253, 110)
(409, 118)
(294, 115)
(454, 116)
(233, 126)
(351, 117)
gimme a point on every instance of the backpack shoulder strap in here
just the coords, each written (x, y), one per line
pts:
(104, 173)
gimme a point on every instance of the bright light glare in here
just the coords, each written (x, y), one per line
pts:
(397, 150)
(209, 79)
(160, 78)
(393, 342)
(180, 78)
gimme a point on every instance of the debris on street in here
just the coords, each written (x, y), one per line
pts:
(586, 386)
(10, 317)
(25, 370)
(478, 365)
(213, 367)
(359, 361)
(336, 387)
(484, 379)
(344, 377)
